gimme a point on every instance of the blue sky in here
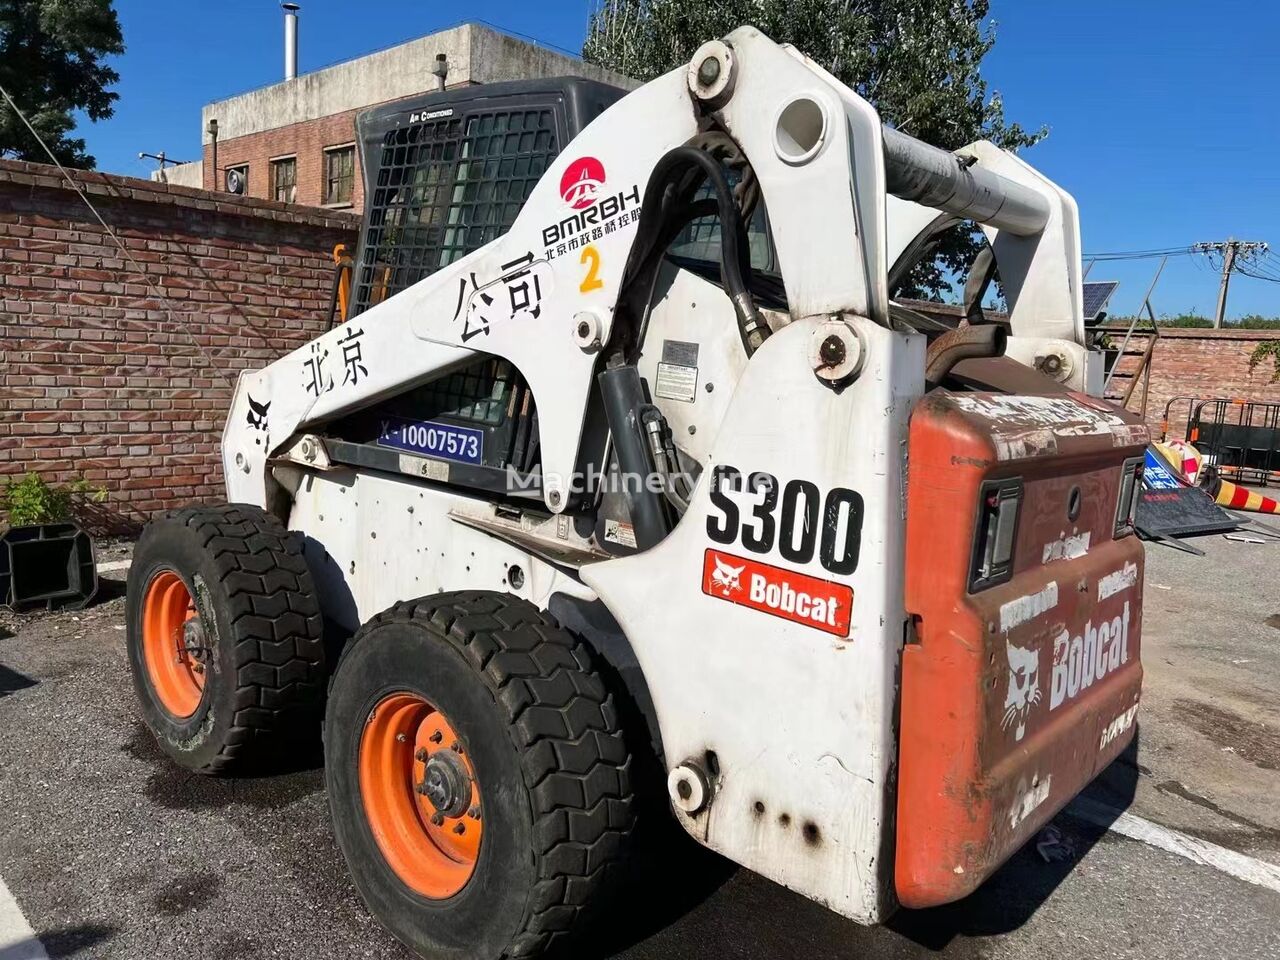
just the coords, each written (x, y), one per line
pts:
(1162, 113)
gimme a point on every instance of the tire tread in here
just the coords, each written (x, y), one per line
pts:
(562, 722)
(277, 648)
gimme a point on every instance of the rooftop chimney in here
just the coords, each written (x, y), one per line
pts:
(290, 40)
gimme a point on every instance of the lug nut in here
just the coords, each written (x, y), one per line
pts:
(474, 812)
(832, 351)
(709, 71)
(420, 755)
(401, 738)
(456, 747)
(460, 829)
(436, 737)
(438, 819)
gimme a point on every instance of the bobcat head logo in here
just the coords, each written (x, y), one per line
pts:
(258, 414)
(1024, 688)
(725, 577)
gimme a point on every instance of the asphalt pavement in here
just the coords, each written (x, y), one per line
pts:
(112, 852)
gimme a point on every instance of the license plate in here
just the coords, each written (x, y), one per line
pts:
(442, 440)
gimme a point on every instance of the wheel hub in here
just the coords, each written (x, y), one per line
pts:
(193, 644)
(445, 784)
(421, 795)
(174, 646)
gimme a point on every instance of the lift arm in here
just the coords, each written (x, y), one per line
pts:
(543, 296)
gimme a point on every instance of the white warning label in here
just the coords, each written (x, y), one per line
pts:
(676, 382)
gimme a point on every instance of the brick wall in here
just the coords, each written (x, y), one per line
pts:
(101, 379)
(307, 141)
(1196, 363)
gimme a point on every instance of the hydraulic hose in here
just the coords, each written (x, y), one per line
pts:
(667, 207)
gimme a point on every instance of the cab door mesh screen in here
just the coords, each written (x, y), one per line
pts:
(445, 188)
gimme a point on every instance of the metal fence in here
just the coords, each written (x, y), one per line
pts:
(1239, 438)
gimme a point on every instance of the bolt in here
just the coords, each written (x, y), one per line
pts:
(456, 747)
(420, 755)
(584, 329)
(401, 738)
(554, 498)
(460, 829)
(422, 788)
(438, 819)
(474, 812)
(708, 71)
(832, 351)
(436, 737)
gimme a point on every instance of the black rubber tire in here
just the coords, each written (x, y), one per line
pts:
(264, 686)
(551, 762)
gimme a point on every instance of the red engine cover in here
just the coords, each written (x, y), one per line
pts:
(1014, 696)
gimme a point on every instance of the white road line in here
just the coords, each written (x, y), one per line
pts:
(1230, 862)
(17, 939)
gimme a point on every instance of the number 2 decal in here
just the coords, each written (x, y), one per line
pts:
(591, 258)
(796, 531)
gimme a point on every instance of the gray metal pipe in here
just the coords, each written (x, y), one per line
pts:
(914, 170)
(290, 40)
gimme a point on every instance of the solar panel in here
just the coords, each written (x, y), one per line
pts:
(1096, 296)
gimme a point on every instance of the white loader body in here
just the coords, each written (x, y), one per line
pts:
(769, 625)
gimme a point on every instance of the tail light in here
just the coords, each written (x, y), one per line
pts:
(995, 535)
(1127, 502)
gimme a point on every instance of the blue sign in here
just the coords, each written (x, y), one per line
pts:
(1156, 474)
(441, 440)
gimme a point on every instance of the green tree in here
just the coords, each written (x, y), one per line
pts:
(917, 61)
(52, 56)
(1256, 321)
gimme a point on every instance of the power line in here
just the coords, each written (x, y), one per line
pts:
(128, 255)
(1139, 254)
(1271, 278)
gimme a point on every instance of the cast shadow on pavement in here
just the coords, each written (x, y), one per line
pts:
(59, 943)
(1013, 894)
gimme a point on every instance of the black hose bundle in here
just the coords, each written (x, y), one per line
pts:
(669, 206)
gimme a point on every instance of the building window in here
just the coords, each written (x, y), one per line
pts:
(284, 180)
(237, 179)
(339, 174)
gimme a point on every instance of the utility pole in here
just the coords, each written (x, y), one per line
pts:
(1229, 251)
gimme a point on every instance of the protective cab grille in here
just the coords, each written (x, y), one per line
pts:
(445, 188)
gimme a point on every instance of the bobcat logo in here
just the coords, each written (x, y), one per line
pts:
(725, 577)
(1024, 688)
(258, 414)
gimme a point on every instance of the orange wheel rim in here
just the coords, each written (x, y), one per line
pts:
(420, 796)
(174, 652)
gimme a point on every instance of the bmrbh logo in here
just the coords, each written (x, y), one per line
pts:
(582, 182)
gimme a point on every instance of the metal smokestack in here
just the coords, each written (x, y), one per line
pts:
(290, 40)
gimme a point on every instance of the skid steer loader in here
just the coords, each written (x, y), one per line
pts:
(624, 471)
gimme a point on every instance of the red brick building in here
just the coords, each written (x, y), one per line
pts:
(294, 141)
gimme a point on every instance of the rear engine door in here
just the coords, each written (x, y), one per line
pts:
(1024, 586)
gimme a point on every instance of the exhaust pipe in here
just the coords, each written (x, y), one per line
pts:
(290, 40)
(982, 340)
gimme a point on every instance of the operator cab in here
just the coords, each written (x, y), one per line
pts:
(445, 174)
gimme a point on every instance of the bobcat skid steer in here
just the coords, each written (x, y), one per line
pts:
(624, 474)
